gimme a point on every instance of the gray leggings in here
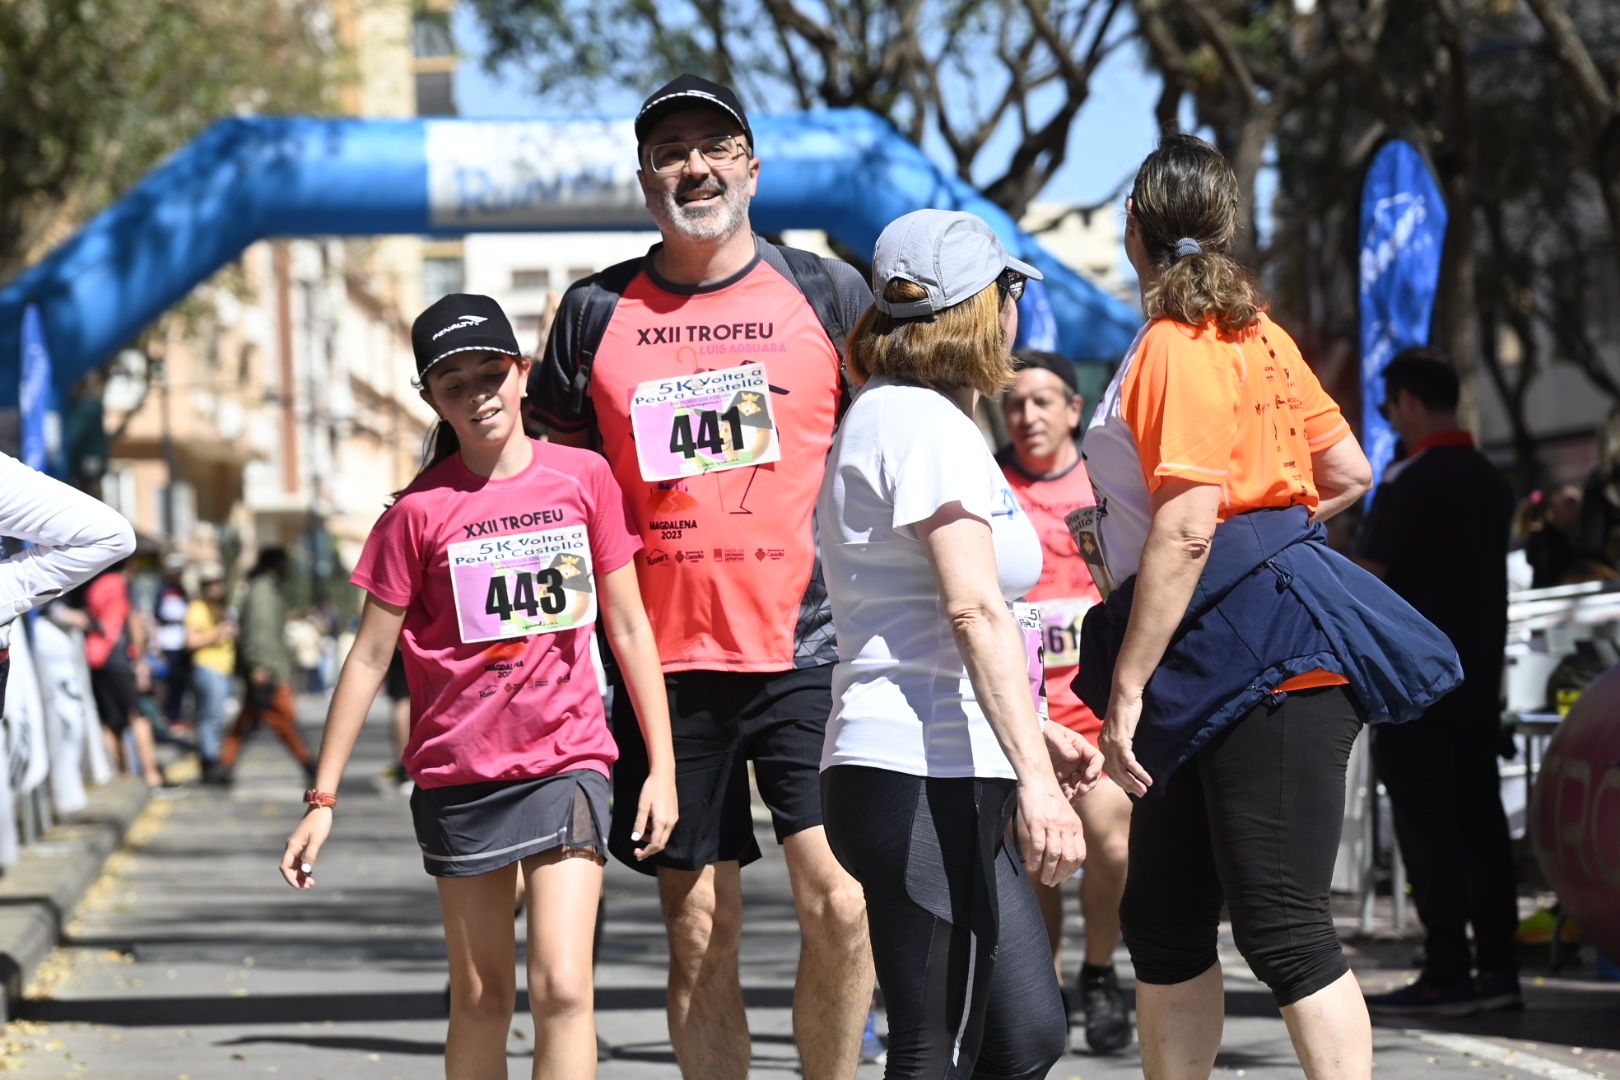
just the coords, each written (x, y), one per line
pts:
(960, 948)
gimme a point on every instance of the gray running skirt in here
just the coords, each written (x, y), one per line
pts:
(469, 829)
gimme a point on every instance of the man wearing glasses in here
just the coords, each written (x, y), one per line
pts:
(708, 373)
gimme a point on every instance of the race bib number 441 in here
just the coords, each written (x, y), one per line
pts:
(694, 424)
(528, 583)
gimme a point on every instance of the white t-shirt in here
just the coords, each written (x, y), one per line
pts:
(1115, 467)
(902, 700)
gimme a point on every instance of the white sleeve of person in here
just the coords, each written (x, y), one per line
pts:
(74, 536)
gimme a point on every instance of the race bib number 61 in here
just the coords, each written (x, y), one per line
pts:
(528, 583)
(689, 425)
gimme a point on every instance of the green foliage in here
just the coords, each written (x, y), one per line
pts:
(93, 93)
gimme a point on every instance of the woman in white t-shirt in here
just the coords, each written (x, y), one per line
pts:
(935, 739)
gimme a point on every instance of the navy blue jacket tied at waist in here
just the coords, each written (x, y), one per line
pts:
(1274, 601)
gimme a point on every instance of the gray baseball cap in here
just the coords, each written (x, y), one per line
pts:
(951, 253)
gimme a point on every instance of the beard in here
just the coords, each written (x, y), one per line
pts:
(714, 222)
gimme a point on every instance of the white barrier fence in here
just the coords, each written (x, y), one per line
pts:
(50, 735)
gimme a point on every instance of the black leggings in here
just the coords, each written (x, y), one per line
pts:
(960, 948)
(1254, 818)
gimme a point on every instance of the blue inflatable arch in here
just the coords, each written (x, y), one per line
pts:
(846, 171)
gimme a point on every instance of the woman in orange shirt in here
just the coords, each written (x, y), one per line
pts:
(1213, 415)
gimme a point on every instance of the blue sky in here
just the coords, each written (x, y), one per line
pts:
(1113, 132)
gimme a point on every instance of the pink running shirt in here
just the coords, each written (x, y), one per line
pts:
(486, 570)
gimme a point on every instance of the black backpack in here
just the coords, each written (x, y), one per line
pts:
(807, 270)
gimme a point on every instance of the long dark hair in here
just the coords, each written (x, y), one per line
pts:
(441, 442)
(1186, 190)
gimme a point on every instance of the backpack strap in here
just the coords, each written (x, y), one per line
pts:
(602, 293)
(810, 274)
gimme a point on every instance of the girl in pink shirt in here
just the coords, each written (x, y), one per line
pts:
(487, 573)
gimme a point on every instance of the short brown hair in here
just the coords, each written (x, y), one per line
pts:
(963, 346)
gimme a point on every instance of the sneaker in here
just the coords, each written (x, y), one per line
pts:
(1107, 1017)
(1498, 991)
(873, 1052)
(1426, 998)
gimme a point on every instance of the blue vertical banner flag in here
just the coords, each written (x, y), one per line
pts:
(1403, 229)
(34, 404)
(1037, 324)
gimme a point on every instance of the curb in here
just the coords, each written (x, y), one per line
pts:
(39, 893)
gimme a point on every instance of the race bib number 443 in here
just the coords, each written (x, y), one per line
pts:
(528, 583)
(694, 424)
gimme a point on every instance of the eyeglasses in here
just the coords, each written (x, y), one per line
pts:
(1011, 284)
(719, 151)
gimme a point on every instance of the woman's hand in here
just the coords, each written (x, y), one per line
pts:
(656, 813)
(1049, 832)
(298, 861)
(1124, 710)
(1077, 763)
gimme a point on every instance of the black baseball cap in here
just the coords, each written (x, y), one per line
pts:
(687, 92)
(461, 322)
(1037, 360)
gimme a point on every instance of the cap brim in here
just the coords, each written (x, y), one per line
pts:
(1024, 268)
(504, 350)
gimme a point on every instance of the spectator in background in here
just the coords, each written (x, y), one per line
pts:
(115, 643)
(73, 537)
(1548, 525)
(266, 663)
(211, 639)
(1438, 535)
(304, 640)
(1600, 499)
(169, 612)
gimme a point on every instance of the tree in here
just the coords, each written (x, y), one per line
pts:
(93, 93)
(949, 72)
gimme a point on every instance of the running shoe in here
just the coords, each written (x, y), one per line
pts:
(1427, 998)
(1107, 1017)
(1498, 991)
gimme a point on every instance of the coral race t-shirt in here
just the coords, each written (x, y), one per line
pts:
(1246, 415)
(716, 408)
(498, 581)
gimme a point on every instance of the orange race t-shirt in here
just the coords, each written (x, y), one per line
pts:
(1065, 592)
(715, 408)
(1246, 415)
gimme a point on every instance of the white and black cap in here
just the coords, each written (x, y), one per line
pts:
(461, 322)
(950, 253)
(690, 92)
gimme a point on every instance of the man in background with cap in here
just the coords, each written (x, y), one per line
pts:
(708, 373)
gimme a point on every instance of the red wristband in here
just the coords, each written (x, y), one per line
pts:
(319, 798)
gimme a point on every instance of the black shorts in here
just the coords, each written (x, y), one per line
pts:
(721, 721)
(116, 696)
(469, 829)
(394, 683)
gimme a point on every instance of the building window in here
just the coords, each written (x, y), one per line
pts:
(435, 93)
(441, 277)
(577, 272)
(531, 280)
(430, 34)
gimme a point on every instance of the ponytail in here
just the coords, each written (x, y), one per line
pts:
(1185, 203)
(440, 443)
(1210, 285)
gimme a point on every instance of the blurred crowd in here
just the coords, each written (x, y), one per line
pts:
(180, 653)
